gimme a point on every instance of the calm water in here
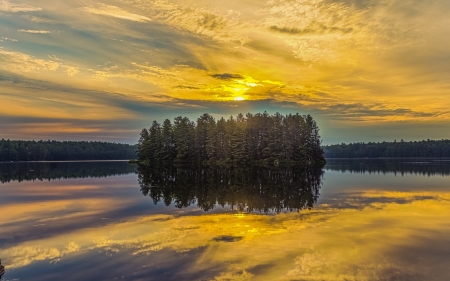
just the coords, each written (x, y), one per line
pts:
(353, 220)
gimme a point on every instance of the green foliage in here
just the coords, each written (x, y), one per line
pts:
(14, 150)
(258, 138)
(428, 148)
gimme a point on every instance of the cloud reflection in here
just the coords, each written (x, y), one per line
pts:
(326, 243)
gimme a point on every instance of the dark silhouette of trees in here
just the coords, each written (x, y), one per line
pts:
(254, 138)
(425, 148)
(424, 167)
(17, 150)
(243, 188)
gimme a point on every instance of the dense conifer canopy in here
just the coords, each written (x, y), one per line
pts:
(253, 138)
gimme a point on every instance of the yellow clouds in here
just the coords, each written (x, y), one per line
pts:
(364, 243)
(316, 31)
(115, 12)
(6, 6)
(347, 61)
(42, 103)
(20, 62)
(38, 19)
(187, 83)
(34, 31)
(198, 20)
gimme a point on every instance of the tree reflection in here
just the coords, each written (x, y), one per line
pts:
(30, 171)
(416, 166)
(249, 188)
(2, 269)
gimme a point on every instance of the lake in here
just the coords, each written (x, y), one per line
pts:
(352, 220)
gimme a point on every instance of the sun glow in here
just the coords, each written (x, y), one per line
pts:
(239, 99)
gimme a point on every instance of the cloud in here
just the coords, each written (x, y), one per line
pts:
(34, 31)
(360, 4)
(186, 87)
(115, 12)
(210, 23)
(6, 6)
(376, 112)
(3, 39)
(38, 19)
(70, 70)
(227, 76)
(321, 29)
(20, 62)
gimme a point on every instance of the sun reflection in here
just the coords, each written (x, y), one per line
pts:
(310, 245)
(240, 215)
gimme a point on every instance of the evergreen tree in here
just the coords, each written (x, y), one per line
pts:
(143, 152)
(204, 124)
(168, 150)
(155, 142)
(259, 138)
(184, 135)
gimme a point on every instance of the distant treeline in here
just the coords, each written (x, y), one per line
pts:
(425, 148)
(32, 171)
(16, 150)
(254, 138)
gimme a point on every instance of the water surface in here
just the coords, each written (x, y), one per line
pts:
(353, 220)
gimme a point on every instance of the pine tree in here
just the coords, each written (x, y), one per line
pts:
(204, 124)
(143, 151)
(184, 135)
(155, 142)
(168, 151)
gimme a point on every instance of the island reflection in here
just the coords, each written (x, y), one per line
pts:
(371, 229)
(245, 188)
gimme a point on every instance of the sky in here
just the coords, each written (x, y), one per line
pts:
(365, 70)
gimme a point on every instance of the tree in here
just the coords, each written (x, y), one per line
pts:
(184, 135)
(259, 138)
(168, 149)
(155, 142)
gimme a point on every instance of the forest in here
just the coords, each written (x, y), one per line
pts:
(18, 150)
(254, 138)
(424, 148)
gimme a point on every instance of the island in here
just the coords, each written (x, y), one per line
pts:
(251, 139)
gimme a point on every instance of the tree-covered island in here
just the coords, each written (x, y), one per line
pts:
(254, 138)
